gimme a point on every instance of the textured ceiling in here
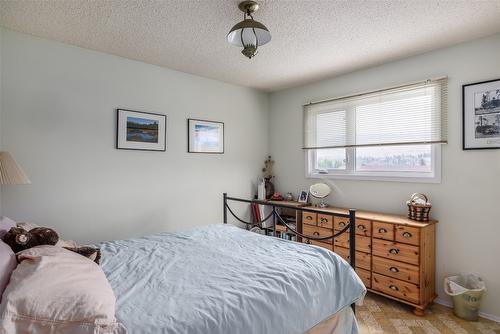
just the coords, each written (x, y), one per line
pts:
(311, 40)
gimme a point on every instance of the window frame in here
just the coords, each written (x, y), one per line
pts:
(350, 173)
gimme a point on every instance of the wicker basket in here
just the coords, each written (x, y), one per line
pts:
(418, 211)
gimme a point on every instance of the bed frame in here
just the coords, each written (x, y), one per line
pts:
(351, 227)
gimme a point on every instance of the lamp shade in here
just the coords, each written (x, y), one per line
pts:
(249, 32)
(10, 171)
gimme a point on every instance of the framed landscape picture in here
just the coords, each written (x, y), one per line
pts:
(481, 115)
(205, 136)
(138, 130)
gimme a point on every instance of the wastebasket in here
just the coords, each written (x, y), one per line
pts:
(467, 292)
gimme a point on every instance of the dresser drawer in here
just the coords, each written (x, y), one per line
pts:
(342, 252)
(396, 288)
(315, 231)
(363, 260)
(363, 227)
(403, 271)
(363, 244)
(396, 251)
(322, 244)
(383, 231)
(365, 276)
(408, 234)
(309, 218)
(340, 222)
(325, 221)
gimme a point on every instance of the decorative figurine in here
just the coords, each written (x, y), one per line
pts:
(268, 175)
(276, 197)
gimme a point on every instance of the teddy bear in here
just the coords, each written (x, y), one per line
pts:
(20, 239)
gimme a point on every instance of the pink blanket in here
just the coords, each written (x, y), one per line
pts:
(54, 291)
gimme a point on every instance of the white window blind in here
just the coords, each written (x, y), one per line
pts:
(406, 115)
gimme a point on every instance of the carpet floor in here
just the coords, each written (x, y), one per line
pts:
(382, 315)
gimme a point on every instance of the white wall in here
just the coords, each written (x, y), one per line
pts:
(468, 199)
(57, 105)
(58, 120)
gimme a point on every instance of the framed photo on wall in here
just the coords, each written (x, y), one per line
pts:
(137, 130)
(205, 136)
(481, 115)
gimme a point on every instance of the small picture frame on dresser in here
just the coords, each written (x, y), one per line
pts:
(303, 196)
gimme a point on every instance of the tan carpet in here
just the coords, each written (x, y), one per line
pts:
(382, 315)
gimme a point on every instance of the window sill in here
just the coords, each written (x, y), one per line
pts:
(361, 177)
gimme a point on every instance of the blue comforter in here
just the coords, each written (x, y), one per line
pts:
(221, 279)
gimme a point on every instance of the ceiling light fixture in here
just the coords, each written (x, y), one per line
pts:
(249, 33)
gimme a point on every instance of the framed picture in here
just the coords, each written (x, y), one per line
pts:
(205, 136)
(481, 115)
(137, 130)
(303, 196)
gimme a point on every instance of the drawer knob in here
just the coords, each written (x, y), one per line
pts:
(394, 251)
(407, 235)
(393, 287)
(362, 227)
(316, 233)
(382, 230)
(324, 220)
(341, 224)
(394, 269)
(309, 217)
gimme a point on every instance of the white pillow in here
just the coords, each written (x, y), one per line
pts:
(54, 290)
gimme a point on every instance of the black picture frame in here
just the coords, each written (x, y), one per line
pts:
(189, 134)
(465, 145)
(119, 135)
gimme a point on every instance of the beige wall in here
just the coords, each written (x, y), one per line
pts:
(58, 120)
(467, 201)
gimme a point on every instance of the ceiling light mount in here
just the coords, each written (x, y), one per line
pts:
(249, 34)
(248, 7)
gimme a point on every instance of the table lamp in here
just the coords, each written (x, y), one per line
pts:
(10, 171)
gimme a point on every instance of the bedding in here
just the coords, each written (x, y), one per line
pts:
(5, 225)
(8, 263)
(225, 280)
(7, 257)
(343, 322)
(56, 291)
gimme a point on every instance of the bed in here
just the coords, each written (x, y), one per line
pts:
(223, 279)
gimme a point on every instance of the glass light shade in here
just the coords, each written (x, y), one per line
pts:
(247, 32)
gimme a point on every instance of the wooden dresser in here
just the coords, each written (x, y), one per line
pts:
(395, 256)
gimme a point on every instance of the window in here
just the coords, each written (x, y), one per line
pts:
(392, 134)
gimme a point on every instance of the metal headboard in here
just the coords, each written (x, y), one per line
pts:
(351, 227)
